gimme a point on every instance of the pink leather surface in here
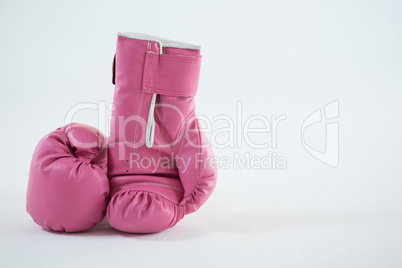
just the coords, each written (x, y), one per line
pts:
(68, 186)
(170, 74)
(147, 194)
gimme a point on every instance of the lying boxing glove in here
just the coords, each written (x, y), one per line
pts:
(160, 164)
(68, 187)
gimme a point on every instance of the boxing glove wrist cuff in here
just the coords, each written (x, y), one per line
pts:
(167, 74)
(162, 41)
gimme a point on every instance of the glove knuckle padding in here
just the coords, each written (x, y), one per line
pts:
(145, 211)
(68, 186)
(145, 203)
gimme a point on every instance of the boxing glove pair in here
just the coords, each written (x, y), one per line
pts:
(157, 164)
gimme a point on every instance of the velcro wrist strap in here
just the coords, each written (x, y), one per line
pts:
(172, 75)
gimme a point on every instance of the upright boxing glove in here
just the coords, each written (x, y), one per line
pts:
(160, 164)
(68, 187)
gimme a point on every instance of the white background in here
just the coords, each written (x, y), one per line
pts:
(276, 57)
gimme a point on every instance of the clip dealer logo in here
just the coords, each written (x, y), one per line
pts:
(330, 155)
(250, 141)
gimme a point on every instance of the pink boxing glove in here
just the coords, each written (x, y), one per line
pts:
(159, 160)
(68, 187)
